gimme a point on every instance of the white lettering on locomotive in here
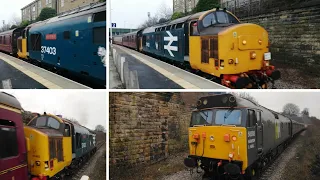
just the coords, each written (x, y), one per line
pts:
(251, 133)
(251, 141)
(171, 39)
(48, 50)
(102, 55)
(250, 146)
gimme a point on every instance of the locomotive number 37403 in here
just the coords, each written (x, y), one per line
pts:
(49, 50)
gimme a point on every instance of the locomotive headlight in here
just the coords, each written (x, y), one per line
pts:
(244, 42)
(253, 55)
(38, 163)
(231, 61)
(211, 138)
(260, 41)
(230, 155)
(205, 102)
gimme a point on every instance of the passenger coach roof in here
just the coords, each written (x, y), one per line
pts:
(9, 100)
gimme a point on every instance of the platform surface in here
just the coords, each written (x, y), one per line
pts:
(155, 74)
(18, 74)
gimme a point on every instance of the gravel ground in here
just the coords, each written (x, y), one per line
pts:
(95, 168)
(296, 79)
(276, 170)
(183, 175)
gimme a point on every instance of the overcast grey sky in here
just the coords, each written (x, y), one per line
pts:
(131, 13)
(276, 100)
(87, 107)
(10, 9)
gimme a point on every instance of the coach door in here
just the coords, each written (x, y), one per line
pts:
(259, 126)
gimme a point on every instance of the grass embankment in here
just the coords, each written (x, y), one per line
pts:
(306, 163)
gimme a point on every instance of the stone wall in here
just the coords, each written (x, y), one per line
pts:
(146, 127)
(293, 27)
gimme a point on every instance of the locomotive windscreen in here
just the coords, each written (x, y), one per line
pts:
(216, 117)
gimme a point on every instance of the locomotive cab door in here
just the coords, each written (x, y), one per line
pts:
(252, 135)
(259, 126)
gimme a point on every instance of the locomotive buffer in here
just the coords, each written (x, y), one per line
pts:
(17, 74)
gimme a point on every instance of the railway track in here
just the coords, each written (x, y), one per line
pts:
(76, 173)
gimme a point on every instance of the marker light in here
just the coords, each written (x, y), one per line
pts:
(227, 137)
(260, 41)
(234, 138)
(196, 136)
(244, 42)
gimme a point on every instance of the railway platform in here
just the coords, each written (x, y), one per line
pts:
(139, 71)
(18, 74)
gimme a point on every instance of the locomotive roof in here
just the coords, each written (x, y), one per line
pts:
(223, 100)
(92, 8)
(130, 33)
(11, 31)
(9, 100)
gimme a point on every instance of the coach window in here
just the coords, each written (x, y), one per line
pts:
(163, 28)
(252, 118)
(99, 35)
(168, 27)
(4, 39)
(0, 39)
(8, 137)
(99, 17)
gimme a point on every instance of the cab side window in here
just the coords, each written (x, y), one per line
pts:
(252, 118)
(8, 138)
(258, 114)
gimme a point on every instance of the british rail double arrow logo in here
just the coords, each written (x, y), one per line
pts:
(169, 47)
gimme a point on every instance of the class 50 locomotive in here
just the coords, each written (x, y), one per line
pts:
(229, 135)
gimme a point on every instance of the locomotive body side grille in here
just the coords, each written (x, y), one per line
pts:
(204, 51)
(56, 148)
(214, 48)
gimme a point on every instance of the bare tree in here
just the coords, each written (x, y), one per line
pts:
(15, 20)
(165, 12)
(150, 22)
(100, 128)
(305, 111)
(291, 109)
(247, 96)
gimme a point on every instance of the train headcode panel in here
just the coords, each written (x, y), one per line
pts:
(236, 136)
(213, 42)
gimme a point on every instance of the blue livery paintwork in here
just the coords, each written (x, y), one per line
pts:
(79, 47)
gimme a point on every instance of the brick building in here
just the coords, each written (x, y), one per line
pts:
(31, 11)
(184, 5)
